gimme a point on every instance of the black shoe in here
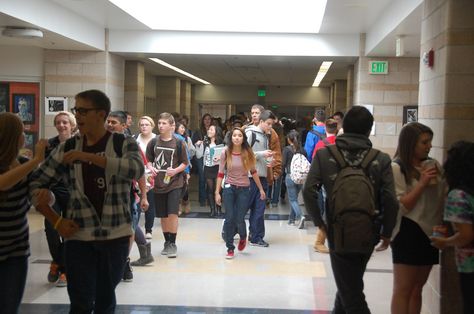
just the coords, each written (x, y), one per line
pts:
(260, 243)
(128, 272)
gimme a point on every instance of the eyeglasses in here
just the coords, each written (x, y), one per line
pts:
(82, 111)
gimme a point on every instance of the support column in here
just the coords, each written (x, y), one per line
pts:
(446, 103)
(340, 95)
(168, 94)
(185, 98)
(135, 90)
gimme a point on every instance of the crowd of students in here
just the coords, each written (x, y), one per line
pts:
(92, 186)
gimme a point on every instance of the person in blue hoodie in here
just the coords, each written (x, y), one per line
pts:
(317, 133)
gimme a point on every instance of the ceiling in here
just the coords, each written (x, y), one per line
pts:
(341, 17)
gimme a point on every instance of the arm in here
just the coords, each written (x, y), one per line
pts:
(130, 165)
(311, 190)
(182, 166)
(74, 155)
(143, 197)
(220, 178)
(463, 236)
(389, 206)
(410, 198)
(276, 148)
(258, 183)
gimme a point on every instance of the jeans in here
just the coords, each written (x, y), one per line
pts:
(293, 191)
(257, 211)
(348, 270)
(235, 203)
(12, 284)
(202, 181)
(150, 213)
(274, 191)
(94, 269)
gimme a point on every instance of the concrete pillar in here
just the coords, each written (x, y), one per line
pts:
(340, 96)
(135, 91)
(168, 94)
(70, 72)
(446, 104)
(350, 88)
(185, 98)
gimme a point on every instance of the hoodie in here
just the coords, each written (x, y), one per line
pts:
(313, 139)
(261, 144)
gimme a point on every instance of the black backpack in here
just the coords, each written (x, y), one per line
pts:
(352, 205)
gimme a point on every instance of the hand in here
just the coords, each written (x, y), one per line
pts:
(198, 143)
(67, 228)
(171, 172)
(428, 174)
(438, 242)
(153, 170)
(218, 199)
(73, 156)
(263, 196)
(40, 148)
(383, 244)
(144, 203)
(267, 153)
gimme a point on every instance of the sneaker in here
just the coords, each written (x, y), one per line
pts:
(273, 205)
(62, 281)
(230, 254)
(148, 236)
(53, 274)
(291, 223)
(242, 244)
(172, 250)
(165, 248)
(260, 243)
(128, 272)
(301, 223)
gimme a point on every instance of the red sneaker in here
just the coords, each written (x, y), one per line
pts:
(242, 244)
(230, 254)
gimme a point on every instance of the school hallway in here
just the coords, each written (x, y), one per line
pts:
(286, 277)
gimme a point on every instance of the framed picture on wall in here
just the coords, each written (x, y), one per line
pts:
(410, 114)
(30, 141)
(24, 105)
(54, 105)
(4, 97)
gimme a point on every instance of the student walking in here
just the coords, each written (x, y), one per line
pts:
(167, 160)
(235, 164)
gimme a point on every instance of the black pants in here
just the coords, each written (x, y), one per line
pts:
(348, 270)
(467, 287)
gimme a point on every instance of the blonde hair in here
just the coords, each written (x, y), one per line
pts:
(70, 116)
(149, 119)
(11, 129)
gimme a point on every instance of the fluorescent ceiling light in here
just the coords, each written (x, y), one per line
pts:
(172, 67)
(262, 16)
(323, 69)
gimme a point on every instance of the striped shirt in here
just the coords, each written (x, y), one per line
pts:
(115, 221)
(14, 205)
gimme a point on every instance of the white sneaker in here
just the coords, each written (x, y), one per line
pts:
(148, 236)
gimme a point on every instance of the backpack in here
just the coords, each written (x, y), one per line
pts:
(299, 168)
(352, 205)
(117, 139)
(321, 136)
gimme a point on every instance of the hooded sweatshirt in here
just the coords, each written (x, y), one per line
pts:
(260, 145)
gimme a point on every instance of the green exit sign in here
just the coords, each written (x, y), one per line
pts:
(378, 67)
(261, 93)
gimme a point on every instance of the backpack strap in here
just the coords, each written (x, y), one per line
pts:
(253, 139)
(320, 135)
(337, 156)
(371, 155)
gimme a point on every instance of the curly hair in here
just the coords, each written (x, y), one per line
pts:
(459, 166)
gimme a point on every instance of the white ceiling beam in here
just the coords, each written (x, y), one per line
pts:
(391, 17)
(55, 18)
(221, 43)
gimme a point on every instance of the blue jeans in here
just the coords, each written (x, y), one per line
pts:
(293, 191)
(235, 202)
(94, 269)
(202, 181)
(273, 191)
(257, 211)
(12, 284)
(150, 213)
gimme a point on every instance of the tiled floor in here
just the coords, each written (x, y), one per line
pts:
(287, 277)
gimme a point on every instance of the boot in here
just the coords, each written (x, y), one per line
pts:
(319, 244)
(145, 255)
(219, 211)
(213, 212)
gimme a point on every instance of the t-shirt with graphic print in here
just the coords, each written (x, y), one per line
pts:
(164, 155)
(460, 209)
(93, 176)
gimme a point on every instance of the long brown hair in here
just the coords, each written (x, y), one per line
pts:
(11, 128)
(247, 155)
(409, 136)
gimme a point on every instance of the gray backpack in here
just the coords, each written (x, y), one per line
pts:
(352, 206)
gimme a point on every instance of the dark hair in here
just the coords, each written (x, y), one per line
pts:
(409, 136)
(247, 155)
(176, 130)
(97, 98)
(358, 120)
(294, 137)
(267, 114)
(331, 126)
(338, 113)
(459, 167)
(120, 115)
(219, 135)
(201, 126)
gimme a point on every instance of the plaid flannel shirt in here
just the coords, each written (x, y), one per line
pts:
(119, 173)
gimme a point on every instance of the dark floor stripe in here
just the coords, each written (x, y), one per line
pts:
(206, 215)
(152, 309)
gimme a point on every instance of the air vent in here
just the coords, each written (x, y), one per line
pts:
(22, 32)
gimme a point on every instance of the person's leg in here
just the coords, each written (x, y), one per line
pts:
(170, 223)
(242, 199)
(13, 273)
(210, 197)
(276, 191)
(293, 200)
(150, 213)
(260, 213)
(466, 280)
(229, 198)
(81, 267)
(202, 182)
(254, 195)
(112, 256)
(348, 270)
(283, 188)
(406, 287)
